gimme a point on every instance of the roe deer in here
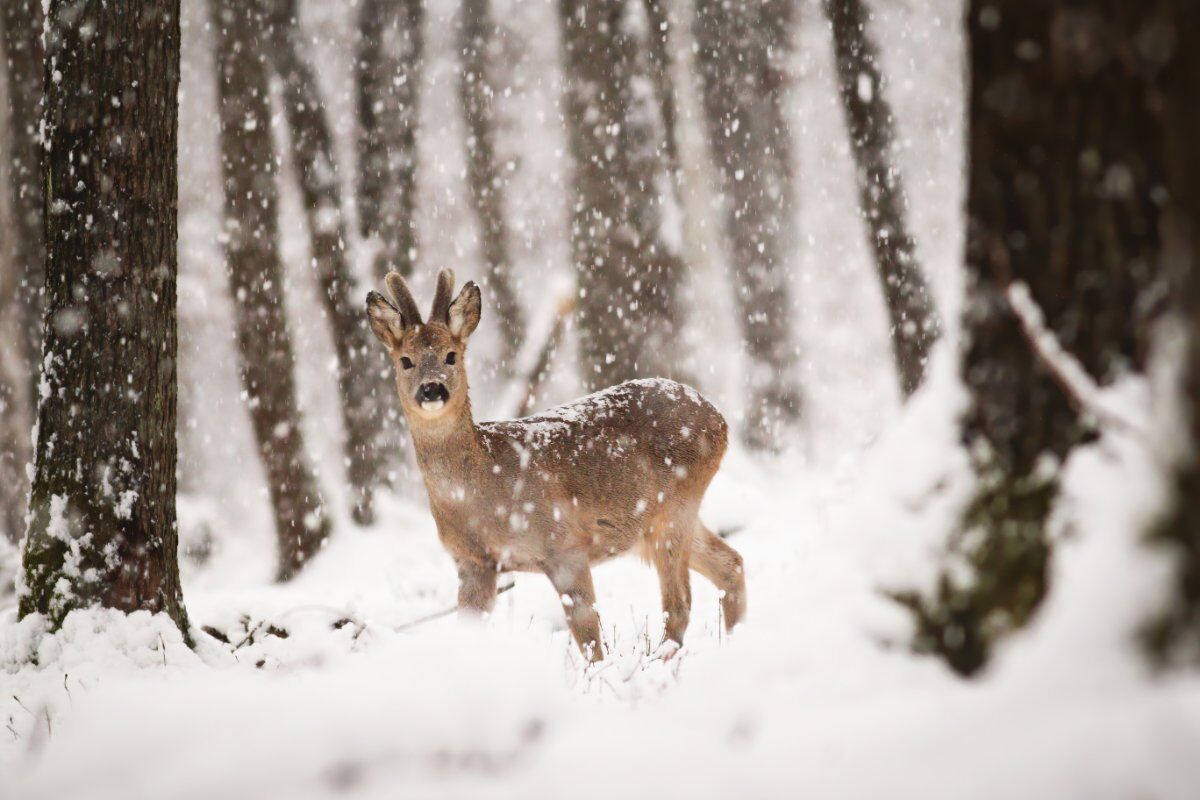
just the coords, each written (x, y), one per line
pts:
(558, 491)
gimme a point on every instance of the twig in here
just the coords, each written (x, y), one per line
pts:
(445, 612)
(1065, 369)
(249, 635)
(535, 376)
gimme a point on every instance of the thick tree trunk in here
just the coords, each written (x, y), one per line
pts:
(485, 176)
(914, 321)
(103, 528)
(1065, 165)
(625, 252)
(1173, 636)
(251, 233)
(390, 50)
(22, 25)
(740, 44)
(366, 441)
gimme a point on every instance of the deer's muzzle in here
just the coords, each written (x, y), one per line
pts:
(432, 396)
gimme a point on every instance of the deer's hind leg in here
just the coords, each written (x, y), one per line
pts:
(572, 579)
(722, 565)
(670, 548)
(476, 587)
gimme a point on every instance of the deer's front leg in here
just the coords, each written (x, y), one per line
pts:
(572, 579)
(476, 587)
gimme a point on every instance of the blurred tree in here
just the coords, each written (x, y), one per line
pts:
(103, 526)
(741, 45)
(24, 256)
(390, 53)
(251, 234)
(15, 418)
(366, 443)
(625, 242)
(1173, 636)
(1066, 173)
(22, 23)
(484, 174)
(914, 320)
(658, 42)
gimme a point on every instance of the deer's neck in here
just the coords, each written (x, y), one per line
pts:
(447, 449)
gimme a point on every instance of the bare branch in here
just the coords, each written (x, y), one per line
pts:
(445, 612)
(1079, 387)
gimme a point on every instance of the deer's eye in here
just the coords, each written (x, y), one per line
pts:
(451, 357)
(406, 362)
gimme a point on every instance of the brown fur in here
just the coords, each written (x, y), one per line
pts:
(559, 491)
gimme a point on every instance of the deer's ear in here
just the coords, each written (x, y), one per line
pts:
(386, 322)
(465, 311)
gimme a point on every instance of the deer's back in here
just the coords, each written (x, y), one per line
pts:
(637, 443)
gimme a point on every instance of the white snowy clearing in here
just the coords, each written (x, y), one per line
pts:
(317, 694)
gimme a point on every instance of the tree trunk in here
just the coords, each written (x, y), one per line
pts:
(658, 51)
(103, 528)
(366, 442)
(625, 248)
(914, 321)
(1065, 163)
(1173, 636)
(21, 292)
(740, 45)
(22, 24)
(390, 49)
(251, 233)
(484, 174)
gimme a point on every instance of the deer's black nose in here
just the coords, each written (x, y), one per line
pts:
(431, 392)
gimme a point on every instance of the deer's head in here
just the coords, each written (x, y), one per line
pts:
(429, 355)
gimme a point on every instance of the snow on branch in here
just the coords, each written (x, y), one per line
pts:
(1081, 389)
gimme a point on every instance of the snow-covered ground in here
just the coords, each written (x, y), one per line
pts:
(326, 688)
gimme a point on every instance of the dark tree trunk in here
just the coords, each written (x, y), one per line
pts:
(366, 441)
(1065, 165)
(22, 24)
(103, 528)
(251, 233)
(740, 44)
(390, 50)
(626, 260)
(914, 321)
(484, 174)
(1173, 636)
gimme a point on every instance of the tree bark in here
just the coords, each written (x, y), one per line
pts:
(740, 45)
(914, 321)
(1172, 636)
(251, 233)
(366, 441)
(624, 241)
(484, 174)
(388, 73)
(1065, 166)
(103, 530)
